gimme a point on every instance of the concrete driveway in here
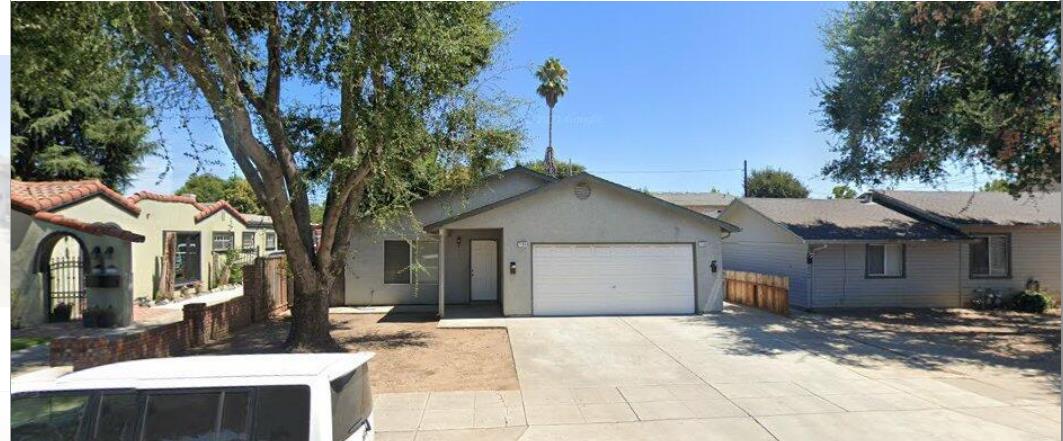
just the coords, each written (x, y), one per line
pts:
(737, 375)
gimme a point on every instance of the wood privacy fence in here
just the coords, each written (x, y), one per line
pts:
(761, 291)
(269, 276)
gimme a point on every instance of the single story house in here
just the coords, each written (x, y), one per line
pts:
(898, 249)
(59, 256)
(200, 234)
(543, 246)
(709, 203)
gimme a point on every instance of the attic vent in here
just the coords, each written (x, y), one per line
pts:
(582, 190)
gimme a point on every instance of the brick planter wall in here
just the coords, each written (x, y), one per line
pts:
(200, 324)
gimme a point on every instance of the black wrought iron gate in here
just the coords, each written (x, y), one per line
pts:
(66, 285)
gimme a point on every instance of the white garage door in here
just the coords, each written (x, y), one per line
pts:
(612, 279)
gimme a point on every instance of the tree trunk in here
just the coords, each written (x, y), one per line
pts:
(309, 331)
(550, 129)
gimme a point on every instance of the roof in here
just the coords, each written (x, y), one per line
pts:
(693, 199)
(258, 220)
(49, 195)
(968, 208)
(97, 228)
(846, 220)
(216, 207)
(663, 203)
(190, 370)
(147, 195)
(38, 199)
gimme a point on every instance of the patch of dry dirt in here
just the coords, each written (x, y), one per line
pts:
(412, 354)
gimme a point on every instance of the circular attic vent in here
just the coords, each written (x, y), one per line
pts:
(583, 191)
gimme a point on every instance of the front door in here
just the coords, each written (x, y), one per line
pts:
(484, 270)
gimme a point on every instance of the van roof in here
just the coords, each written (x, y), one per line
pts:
(201, 370)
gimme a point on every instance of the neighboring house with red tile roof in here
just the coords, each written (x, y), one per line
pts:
(91, 212)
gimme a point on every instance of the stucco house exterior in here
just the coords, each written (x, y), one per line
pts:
(60, 256)
(898, 249)
(708, 203)
(543, 246)
(93, 213)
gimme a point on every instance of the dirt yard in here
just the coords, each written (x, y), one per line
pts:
(412, 354)
(1004, 338)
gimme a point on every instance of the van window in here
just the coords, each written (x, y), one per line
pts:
(48, 417)
(282, 413)
(116, 417)
(352, 402)
(180, 416)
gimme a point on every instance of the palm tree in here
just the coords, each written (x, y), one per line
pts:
(553, 83)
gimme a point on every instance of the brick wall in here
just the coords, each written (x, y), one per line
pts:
(200, 324)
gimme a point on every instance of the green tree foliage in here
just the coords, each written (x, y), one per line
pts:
(921, 85)
(407, 118)
(996, 185)
(771, 183)
(241, 196)
(842, 192)
(74, 109)
(317, 213)
(564, 169)
(207, 187)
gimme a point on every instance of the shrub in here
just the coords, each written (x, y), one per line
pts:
(1031, 301)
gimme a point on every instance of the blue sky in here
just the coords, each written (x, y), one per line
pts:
(658, 92)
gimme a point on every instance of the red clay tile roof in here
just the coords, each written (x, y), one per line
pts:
(99, 229)
(46, 196)
(142, 195)
(211, 209)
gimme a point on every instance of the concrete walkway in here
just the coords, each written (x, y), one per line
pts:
(737, 375)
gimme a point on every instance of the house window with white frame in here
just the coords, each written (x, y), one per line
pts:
(271, 241)
(248, 240)
(990, 257)
(222, 240)
(885, 261)
(404, 264)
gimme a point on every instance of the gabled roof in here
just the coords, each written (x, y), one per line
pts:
(970, 208)
(694, 199)
(216, 207)
(39, 199)
(258, 220)
(846, 220)
(50, 195)
(147, 195)
(660, 202)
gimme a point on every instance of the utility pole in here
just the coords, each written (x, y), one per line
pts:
(745, 179)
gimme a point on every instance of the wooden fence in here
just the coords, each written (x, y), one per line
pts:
(761, 291)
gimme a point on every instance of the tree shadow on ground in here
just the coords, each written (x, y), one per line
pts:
(386, 340)
(936, 340)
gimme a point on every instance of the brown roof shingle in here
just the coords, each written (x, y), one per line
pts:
(211, 209)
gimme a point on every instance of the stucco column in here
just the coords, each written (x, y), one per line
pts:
(442, 270)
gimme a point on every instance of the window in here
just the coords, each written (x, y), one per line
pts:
(248, 240)
(47, 417)
(282, 413)
(427, 258)
(223, 241)
(991, 256)
(351, 403)
(271, 241)
(885, 260)
(116, 417)
(396, 262)
(181, 416)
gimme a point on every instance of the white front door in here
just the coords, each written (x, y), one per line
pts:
(612, 279)
(484, 270)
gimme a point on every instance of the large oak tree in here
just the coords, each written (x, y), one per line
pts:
(920, 86)
(402, 119)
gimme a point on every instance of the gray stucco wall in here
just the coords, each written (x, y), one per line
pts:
(764, 247)
(608, 215)
(364, 275)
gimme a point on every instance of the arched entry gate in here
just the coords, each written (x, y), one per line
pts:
(62, 259)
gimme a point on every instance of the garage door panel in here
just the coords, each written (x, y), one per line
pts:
(612, 279)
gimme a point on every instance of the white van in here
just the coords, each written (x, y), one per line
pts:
(281, 397)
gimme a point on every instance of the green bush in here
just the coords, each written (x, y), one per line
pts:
(1031, 301)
